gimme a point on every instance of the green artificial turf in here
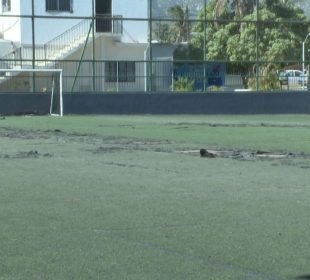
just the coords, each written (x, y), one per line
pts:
(119, 197)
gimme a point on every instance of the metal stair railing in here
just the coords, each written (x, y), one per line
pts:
(62, 44)
(117, 24)
(66, 41)
(8, 60)
(107, 23)
(53, 49)
(20, 57)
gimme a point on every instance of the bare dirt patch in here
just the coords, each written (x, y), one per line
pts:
(25, 155)
(244, 154)
(185, 125)
(112, 144)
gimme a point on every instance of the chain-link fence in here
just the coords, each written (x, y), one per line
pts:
(160, 46)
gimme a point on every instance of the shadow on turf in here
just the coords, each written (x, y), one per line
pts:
(305, 277)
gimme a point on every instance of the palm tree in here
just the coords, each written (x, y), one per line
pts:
(181, 26)
(238, 8)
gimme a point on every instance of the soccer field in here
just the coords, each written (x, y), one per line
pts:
(130, 197)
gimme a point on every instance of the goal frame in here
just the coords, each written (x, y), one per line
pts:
(49, 70)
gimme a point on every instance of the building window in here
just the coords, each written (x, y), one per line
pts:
(120, 71)
(6, 5)
(59, 5)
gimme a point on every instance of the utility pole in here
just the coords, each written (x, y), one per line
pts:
(304, 53)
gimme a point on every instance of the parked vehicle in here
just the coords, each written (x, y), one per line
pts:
(293, 78)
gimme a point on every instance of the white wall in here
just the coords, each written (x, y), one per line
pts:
(124, 51)
(47, 29)
(5, 47)
(10, 26)
(106, 49)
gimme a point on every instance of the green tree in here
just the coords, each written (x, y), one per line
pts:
(237, 8)
(176, 31)
(235, 41)
(160, 7)
(180, 26)
(162, 33)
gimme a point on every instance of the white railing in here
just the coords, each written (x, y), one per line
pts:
(61, 45)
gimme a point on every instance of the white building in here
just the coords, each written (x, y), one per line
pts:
(62, 30)
(18, 29)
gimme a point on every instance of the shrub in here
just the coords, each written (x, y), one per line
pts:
(183, 84)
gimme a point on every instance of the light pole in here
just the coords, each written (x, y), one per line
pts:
(303, 53)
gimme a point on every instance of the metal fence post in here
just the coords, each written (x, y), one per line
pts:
(33, 45)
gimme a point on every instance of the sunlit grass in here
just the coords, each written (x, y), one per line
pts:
(111, 197)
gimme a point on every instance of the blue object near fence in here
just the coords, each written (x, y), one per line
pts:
(214, 74)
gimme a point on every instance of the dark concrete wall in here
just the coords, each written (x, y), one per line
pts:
(24, 103)
(161, 103)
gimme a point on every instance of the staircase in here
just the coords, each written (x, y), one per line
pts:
(56, 49)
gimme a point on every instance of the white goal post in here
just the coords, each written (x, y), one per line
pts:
(35, 80)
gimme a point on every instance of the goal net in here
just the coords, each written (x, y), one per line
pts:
(47, 83)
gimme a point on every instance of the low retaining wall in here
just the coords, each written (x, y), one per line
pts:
(161, 103)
